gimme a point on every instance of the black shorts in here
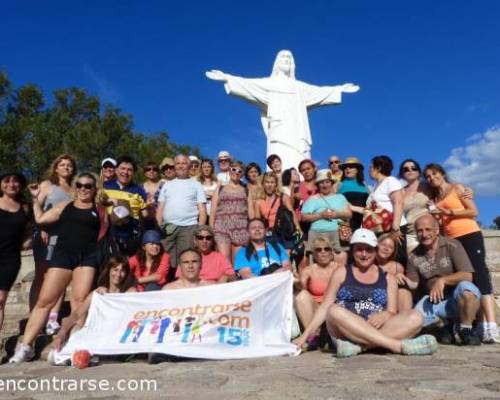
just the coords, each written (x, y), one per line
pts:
(67, 259)
(9, 268)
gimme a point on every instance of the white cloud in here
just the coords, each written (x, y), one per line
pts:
(478, 163)
(105, 90)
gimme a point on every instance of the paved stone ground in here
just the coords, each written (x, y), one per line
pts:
(452, 373)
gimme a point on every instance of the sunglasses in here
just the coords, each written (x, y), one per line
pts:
(236, 170)
(202, 237)
(155, 169)
(320, 249)
(87, 186)
(167, 167)
(224, 160)
(410, 169)
(194, 166)
(349, 166)
(334, 162)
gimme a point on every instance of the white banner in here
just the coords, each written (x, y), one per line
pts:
(244, 319)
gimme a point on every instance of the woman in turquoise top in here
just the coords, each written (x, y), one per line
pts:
(324, 211)
(353, 187)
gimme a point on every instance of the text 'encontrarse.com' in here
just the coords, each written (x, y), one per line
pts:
(56, 384)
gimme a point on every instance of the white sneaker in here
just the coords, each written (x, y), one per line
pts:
(22, 354)
(491, 336)
(52, 327)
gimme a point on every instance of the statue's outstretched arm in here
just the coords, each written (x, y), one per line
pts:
(216, 75)
(349, 88)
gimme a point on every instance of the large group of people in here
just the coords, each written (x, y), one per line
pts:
(373, 265)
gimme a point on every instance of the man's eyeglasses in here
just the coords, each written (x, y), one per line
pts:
(203, 237)
(87, 186)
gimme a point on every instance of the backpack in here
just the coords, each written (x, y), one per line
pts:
(284, 227)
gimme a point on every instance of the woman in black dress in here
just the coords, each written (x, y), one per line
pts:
(13, 222)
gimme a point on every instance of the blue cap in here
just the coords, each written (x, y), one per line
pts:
(151, 237)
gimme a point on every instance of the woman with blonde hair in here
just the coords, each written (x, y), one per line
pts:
(55, 189)
(208, 180)
(75, 258)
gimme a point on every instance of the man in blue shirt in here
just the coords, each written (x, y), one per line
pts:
(260, 257)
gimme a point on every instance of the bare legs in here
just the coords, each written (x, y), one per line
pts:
(305, 306)
(344, 324)
(3, 300)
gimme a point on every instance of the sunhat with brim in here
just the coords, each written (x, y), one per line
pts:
(18, 175)
(364, 236)
(352, 161)
(167, 161)
(224, 155)
(324, 175)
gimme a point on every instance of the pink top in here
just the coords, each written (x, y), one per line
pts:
(213, 266)
(139, 272)
(317, 288)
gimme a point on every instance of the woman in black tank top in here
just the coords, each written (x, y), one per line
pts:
(74, 257)
(360, 308)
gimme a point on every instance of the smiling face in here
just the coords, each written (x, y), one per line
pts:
(257, 231)
(152, 249)
(85, 189)
(235, 172)
(323, 252)
(427, 229)
(108, 171)
(363, 255)
(269, 184)
(125, 173)
(181, 166)
(204, 241)
(386, 248)
(10, 186)
(325, 187)
(350, 171)
(151, 172)
(117, 274)
(434, 178)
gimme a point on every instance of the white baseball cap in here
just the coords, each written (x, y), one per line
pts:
(108, 160)
(365, 236)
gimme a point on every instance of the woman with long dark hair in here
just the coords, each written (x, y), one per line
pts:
(253, 177)
(151, 263)
(14, 220)
(458, 216)
(354, 189)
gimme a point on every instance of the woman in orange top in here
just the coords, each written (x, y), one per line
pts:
(458, 219)
(151, 263)
(313, 280)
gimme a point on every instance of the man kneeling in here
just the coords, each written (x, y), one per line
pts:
(359, 307)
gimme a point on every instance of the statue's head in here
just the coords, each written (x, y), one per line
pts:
(284, 63)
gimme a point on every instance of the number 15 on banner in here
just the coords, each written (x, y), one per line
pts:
(233, 336)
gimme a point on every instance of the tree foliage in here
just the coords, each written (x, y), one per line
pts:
(34, 131)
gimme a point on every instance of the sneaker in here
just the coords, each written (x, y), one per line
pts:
(345, 349)
(22, 354)
(444, 335)
(490, 336)
(52, 327)
(466, 337)
(419, 346)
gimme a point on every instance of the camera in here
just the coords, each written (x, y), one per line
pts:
(269, 270)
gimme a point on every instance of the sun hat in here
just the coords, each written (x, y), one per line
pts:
(352, 161)
(365, 236)
(324, 175)
(223, 155)
(194, 159)
(167, 161)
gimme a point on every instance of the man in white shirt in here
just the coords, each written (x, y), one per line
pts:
(224, 160)
(181, 207)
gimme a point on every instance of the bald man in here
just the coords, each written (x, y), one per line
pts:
(441, 267)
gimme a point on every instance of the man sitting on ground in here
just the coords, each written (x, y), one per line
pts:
(443, 268)
(190, 267)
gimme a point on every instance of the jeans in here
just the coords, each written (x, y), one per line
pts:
(446, 309)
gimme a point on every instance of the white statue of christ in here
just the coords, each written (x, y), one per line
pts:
(284, 102)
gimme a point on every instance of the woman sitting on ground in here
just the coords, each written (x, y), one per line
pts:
(151, 263)
(386, 254)
(116, 277)
(360, 308)
(313, 280)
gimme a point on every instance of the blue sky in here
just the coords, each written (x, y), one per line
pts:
(428, 71)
